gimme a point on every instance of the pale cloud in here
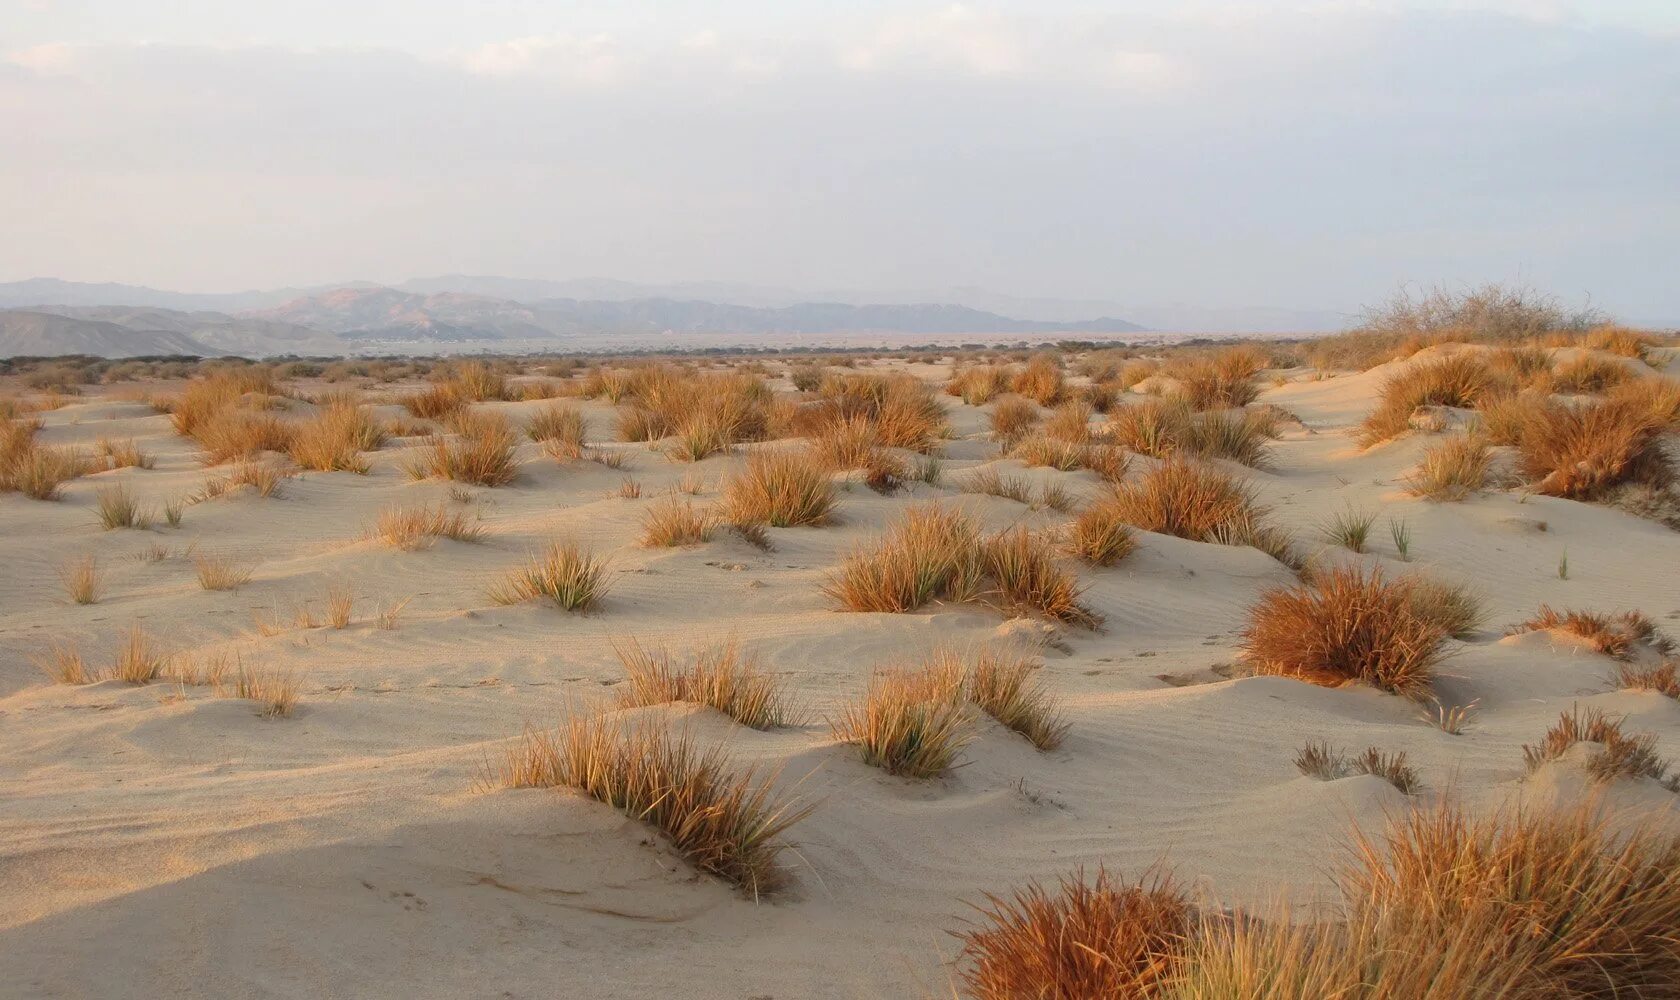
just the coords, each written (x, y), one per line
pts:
(52, 58)
(958, 37)
(592, 60)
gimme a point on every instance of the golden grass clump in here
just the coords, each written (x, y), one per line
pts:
(63, 664)
(724, 823)
(1456, 608)
(138, 660)
(910, 723)
(434, 402)
(1589, 373)
(1583, 451)
(559, 428)
(1452, 469)
(1462, 380)
(990, 482)
(1026, 577)
(36, 471)
(564, 573)
(1622, 341)
(482, 452)
(780, 488)
(415, 528)
(218, 571)
(275, 691)
(1346, 625)
(1656, 395)
(334, 438)
(234, 433)
(1618, 755)
(904, 410)
(673, 522)
(1613, 635)
(1040, 380)
(1080, 941)
(722, 676)
(1197, 502)
(1071, 422)
(1220, 380)
(81, 579)
(1320, 761)
(930, 553)
(117, 508)
(1011, 418)
(1101, 534)
(978, 384)
(1163, 428)
(1663, 678)
(1010, 689)
(205, 399)
(123, 454)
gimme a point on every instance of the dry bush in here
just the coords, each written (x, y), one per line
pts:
(722, 822)
(81, 580)
(1040, 380)
(779, 488)
(203, 400)
(477, 382)
(1071, 421)
(117, 508)
(702, 434)
(559, 428)
(1582, 452)
(481, 453)
(1526, 364)
(1345, 625)
(275, 691)
(1220, 380)
(1080, 941)
(138, 660)
(637, 424)
(673, 521)
(1618, 754)
(1101, 534)
(1502, 419)
(978, 384)
(415, 528)
(722, 676)
(1409, 322)
(1011, 418)
(333, 439)
(846, 443)
(1188, 500)
(1010, 689)
(234, 433)
(912, 724)
(1589, 373)
(1025, 577)
(1461, 380)
(571, 577)
(1038, 450)
(63, 664)
(1612, 635)
(1163, 428)
(806, 378)
(218, 571)
(124, 454)
(930, 553)
(1451, 470)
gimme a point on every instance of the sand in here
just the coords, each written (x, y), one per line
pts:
(159, 841)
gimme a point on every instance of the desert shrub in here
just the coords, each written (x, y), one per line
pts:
(905, 412)
(912, 724)
(335, 438)
(722, 676)
(1218, 380)
(1583, 451)
(1452, 469)
(435, 402)
(415, 528)
(930, 553)
(978, 384)
(1618, 754)
(1025, 577)
(567, 575)
(1011, 690)
(481, 452)
(1462, 380)
(1589, 373)
(780, 488)
(559, 428)
(1101, 534)
(1011, 418)
(1071, 422)
(1040, 380)
(1612, 635)
(1345, 625)
(672, 522)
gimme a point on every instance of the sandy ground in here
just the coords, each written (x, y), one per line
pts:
(158, 841)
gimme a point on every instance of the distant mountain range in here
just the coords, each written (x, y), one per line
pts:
(464, 313)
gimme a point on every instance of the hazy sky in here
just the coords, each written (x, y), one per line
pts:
(1311, 155)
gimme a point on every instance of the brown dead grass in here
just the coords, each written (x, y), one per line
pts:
(1584, 451)
(1451, 470)
(567, 575)
(723, 676)
(481, 452)
(673, 521)
(1613, 635)
(414, 528)
(1462, 380)
(781, 488)
(912, 724)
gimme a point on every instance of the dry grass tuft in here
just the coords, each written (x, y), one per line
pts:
(81, 579)
(481, 453)
(723, 823)
(1619, 754)
(118, 509)
(568, 575)
(673, 521)
(1011, 690)
(218, 571)
(1040, 380)
(1612, 635)
(1081, 941)
(1664, 678)
(1344, 626)
(1461, 380)
(138, 660)
(63, 663)
(911, 724)
(1318, 760)
(1011, 418)
(414, 528)
(341, 603)
(560, 429)
(978, 384)
(1025, 577)
(721, 676)
(123, 454)
(1452, 469)
(1100, 534)
(334, 439)
(780, 488)
(990, 482)
(1589, 373)
(931, 553)
(275, 691)
(36, 472)
(1200, 503)
(1583, 451)
(1221, 380)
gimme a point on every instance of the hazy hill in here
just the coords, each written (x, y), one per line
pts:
(25, 332)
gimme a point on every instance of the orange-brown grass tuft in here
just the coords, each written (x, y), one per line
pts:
(206, 398)
(275, 691)
(1080, 941)
(481, 453)
(1101, 534)
(673, 521)
(1589, 373)
(566, 574)
(1197, 502)
(1010, 689)
(724, 823)
(235, 433)
(1462, 380)
(35, 471)
(117, 508)
(1222, 380)
(1040, 380)
(780, 488)
(63, 663)
(1011, 418)
(1025, 577)
(435, 401)
(217, 571)
(722, 676)
(559, 428)
(931, 553)
(1612, 635)
(978, 384)
(1582, 452)
(904, 410)
(1656, 395)
(334, 439)
(912, 724)
(415, 528)
(1618, 755)
(1346, 625)
(1451, 470)
(81, 580)
(124, 454)
(1621, 341)
(138, 660)
(1318, 760)
(1070, 422)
